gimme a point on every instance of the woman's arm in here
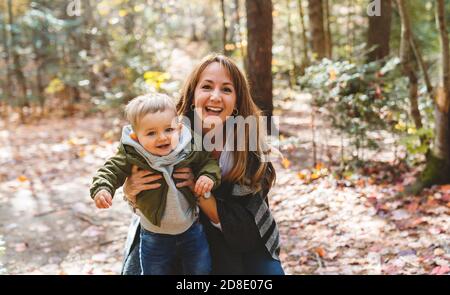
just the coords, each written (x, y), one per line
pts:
(209, 205)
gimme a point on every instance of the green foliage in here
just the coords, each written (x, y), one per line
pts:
(358, 98)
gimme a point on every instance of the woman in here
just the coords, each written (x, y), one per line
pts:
(242, 234)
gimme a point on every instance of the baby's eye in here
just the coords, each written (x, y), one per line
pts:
(151, 133)
(170, 129)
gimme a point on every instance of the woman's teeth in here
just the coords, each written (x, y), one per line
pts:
(214, 110)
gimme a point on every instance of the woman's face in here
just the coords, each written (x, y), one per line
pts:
(215, 95)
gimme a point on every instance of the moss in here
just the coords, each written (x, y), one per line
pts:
(437, 171)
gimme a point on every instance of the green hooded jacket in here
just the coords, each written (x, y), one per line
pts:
(152, 203)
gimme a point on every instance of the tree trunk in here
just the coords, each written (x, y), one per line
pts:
(259, 31)
(239, 34)
(409, 67)
(224, 28)
(305, 61)
(379, 32)
(129, 18)
(349, 31)
(437, 170)
(87, 23)
(315, 12)
(7, 87)
(39, 64)
(17, 67)
(328, 40)
(422, 65)
(293, 67)
(194, 37)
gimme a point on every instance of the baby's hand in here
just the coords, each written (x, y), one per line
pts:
(203, 185)
(103, 199)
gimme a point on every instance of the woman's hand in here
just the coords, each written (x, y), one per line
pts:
(138, 181)
(186, 175)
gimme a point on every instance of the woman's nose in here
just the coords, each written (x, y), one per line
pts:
(215, 95)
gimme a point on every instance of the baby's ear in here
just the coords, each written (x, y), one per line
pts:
(134, 136)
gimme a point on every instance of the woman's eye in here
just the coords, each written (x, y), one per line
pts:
(227, 90)
(206, 87)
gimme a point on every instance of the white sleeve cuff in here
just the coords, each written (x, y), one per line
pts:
(216, 225)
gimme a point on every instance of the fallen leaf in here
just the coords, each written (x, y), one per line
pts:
(301, 175)
(22, 178)
(412, 208)
(440, 270)
(332, 74)
(20, 247)
(286, 163)
(446, 197)
(431, 202)
(438, 252)
(407, 252)
(400, 214)
(445, 188)
(319, 166)
(320, 251)
(314, 176)
(434, 230)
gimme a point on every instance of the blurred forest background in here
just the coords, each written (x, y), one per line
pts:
(361, 90)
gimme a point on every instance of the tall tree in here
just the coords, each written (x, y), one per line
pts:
(305, 61)
(17, 64)
(316, 24)
(224, 27)
(379, 32)
(293, 65)
(327, 26)
(259, 53)
(437, 170)
(7, 84)
(238, 32)
(409, 66)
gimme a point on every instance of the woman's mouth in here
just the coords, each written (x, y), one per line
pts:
(214, 110)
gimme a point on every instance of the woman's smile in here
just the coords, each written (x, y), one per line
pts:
(214, 111)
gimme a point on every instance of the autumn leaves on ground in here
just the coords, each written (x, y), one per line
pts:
(353, 224)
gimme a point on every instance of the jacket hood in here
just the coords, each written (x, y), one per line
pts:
(183, 147)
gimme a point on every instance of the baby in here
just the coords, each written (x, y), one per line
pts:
(156, 141)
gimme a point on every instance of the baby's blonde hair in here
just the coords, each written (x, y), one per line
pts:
(151, 103)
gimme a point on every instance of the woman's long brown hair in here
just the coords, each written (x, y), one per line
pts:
(247, 168)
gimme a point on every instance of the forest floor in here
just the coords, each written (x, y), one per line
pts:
(354, 225)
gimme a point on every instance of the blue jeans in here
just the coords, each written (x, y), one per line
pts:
(260, 262)
(158, 252)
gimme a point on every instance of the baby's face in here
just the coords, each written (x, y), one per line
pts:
(159, 133)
